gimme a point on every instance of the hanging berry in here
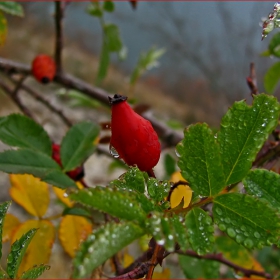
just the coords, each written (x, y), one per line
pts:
(76, 174)
(43, 68)
(133, 137)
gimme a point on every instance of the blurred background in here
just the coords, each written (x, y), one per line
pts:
(208, 50)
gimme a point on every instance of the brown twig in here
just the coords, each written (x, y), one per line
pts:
(268, 155)
(219, 258)
(44, 101)
(252, 80)
(58, 35)
(15, 98)
(168, 136)
(154, 262)
(139, 272)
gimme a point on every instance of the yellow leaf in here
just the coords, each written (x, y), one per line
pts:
(11, 222)
(127, 260)
(258, 267)
(3, 29)
(62, 195)
(180, 192)
(177, 176)
(40, 247)
(31, 193)
(72, 231)
(165, 274)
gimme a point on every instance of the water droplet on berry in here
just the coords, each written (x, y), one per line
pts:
(114, 152)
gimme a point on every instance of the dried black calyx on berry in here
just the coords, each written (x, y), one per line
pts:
(117, 99)
(45, 80)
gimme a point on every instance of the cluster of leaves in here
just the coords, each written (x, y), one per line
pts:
(209, 162)
(34, 153)
(18, 251)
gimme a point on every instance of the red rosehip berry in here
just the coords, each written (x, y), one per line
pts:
(75, 174)
(133, 137)
(43, 68)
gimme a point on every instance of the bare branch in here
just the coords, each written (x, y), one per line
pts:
(169, 136)
(252, 80)
(15, 98)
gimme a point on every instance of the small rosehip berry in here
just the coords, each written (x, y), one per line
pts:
(43, 68)
(75, 174)
(133, 137)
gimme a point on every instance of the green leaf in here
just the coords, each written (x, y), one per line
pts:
(146, 61)
(102, 244)
(265, 53)
(12, 8)
(248, 221)
(108, 6)
(3, 211)
(158, 190)
(3, 274)
(274, 45)
(180, 232)
(58, 179)
(112, 37)
(27, 161)
(199, 160)
(94, 10)
(103, 63)
(169, 165)
(133, 179)
(200, 230)
(244, 129)
(20, 131)
(77, 212)
(264, 184)
(77, 145)
(159, 227)
(3, 29)
(78, 99)
(146, 204)
(199, 268)
(271, 78)
(35, 271)
(121, 204)
(234, 252)
(17, 252)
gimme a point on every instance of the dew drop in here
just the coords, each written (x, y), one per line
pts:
(231, 232)
(256, 234)
(248, 243)
(227, 220)
(239, 238)
(219, 211)
(177, 153)
(222, 227)
(161, 242)
(114, 152)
